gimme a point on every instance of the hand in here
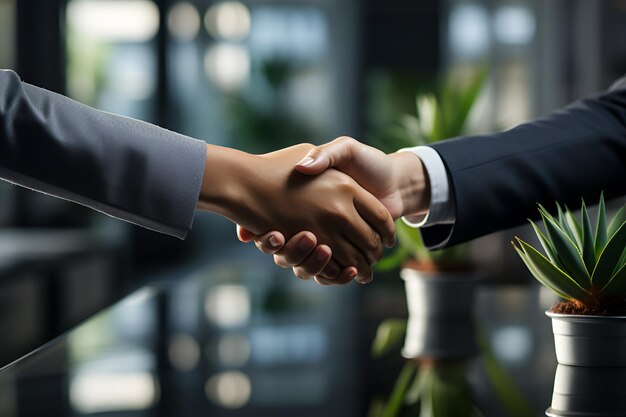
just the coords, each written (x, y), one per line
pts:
(301, 253)
(264, 193)
(399, 180)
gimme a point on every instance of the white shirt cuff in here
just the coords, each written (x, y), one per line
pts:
(442, 208)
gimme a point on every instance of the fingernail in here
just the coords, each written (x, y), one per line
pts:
(274, 241)
(352, 273)
(305, 244)
(306, 161)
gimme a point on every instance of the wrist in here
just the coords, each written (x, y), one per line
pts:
(412, 183)
(224, 181)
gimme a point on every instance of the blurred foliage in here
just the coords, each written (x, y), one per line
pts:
(441, 388)
(261, 126)
(388, 335)
(439, 115)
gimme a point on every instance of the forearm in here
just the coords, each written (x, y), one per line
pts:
(572, 153)
(123, 167)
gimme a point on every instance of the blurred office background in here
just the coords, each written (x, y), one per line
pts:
(215, 328)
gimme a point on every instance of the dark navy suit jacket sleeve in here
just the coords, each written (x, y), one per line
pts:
(498, 179)
(123, 167)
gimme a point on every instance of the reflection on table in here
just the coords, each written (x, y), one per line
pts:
(226, 340)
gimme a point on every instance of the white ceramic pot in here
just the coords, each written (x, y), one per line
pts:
(589, 340)
(441, 321)
(590, 379)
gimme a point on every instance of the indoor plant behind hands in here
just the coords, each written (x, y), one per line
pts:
(439, 116)
(440, 333)
(440, 284)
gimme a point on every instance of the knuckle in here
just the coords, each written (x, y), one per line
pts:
(382, 214)
(375, 242)
(374, 248)
(342, 184)
(336, 211)
(347, 140)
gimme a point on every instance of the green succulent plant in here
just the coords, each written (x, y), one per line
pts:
(578, 264)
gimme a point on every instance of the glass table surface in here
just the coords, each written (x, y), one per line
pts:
(239, 339)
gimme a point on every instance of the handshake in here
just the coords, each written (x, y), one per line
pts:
(326, 211)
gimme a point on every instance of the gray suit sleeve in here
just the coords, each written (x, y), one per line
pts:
(498, 179)
(123, 167)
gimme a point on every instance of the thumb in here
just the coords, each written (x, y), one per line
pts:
(315, 162)
(331, 155)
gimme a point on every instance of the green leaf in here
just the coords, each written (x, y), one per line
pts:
(419, 385)
(538, 276)
(411, 239)
(609, 258)
(589, 253)
(574, 227)
(465, 103)
(556, 279)
(389, 333)
(601, 237)
(545, 216)
(616, 287)
(622, 260)
(563, 223)
(439, 125)
(393, 406)
(570, 258)
(618, 220)
(545, 213)
(393, 260)
(545, 243)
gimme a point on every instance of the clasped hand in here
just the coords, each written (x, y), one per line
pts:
(340, 231)
(262, 193)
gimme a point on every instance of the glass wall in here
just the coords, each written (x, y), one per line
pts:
(258, 76)
(255, 76)
(500, 35)
(111, 55)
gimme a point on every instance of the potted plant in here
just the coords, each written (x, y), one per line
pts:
(440, 336)
(436, 328)
(587, 270)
